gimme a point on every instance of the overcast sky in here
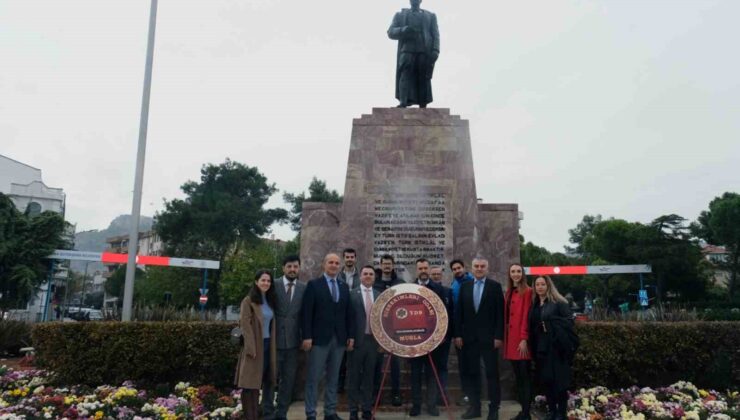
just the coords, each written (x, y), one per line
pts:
(627, 108)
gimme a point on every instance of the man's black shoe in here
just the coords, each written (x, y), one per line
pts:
(396, 401)
(332, 417)
(353, 415)
(367, 415)
(463, 401)
(493, 414)
(311, 418)
(471, 413)
(433, 411)
(415, 411)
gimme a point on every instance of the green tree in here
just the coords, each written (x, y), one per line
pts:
(115, 283)
(25, 242)
(665, 244)
(180, 284)
(317, 192)
(578, 234)
(239, 270)
(220, 215)
(532, 255)
(720, 225)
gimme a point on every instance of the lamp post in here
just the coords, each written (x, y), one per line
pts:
(133, 237)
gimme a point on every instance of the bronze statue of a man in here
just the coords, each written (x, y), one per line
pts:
(418, 48)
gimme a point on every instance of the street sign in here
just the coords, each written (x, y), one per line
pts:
(203, 299)
(643, 297)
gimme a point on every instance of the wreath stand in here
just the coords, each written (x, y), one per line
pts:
(386, 365)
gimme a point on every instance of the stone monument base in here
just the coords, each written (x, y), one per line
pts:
(410, 192)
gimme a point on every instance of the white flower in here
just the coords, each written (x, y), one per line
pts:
(719, 417)
(691, 415)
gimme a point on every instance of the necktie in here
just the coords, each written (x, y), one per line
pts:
(334, 292)
(478, 293)
(290, 291)
(368, 309)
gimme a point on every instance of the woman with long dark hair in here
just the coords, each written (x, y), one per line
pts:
(517, 304)
(257, 359)
(554, 343)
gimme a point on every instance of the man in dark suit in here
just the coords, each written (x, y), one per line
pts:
(441, 354)
(421, 364)
(326, 328)
(288, 299)
(363, 358)
(350, 275)
(479, 331)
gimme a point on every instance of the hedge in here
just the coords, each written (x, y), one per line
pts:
(612, 354)
(152, 353)
(622, 354)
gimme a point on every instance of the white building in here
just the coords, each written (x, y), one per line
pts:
(24, 186)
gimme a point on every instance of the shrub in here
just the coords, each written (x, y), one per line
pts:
(14, 335)
(147, 352)
(612, 354)
(621, 354)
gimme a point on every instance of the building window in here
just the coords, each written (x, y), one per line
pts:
(33, 209)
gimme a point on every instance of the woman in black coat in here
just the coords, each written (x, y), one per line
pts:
(553, 343)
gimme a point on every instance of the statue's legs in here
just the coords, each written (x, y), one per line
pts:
(407, 83)
(414, 83)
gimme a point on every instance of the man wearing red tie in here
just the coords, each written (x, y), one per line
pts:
(365, 354)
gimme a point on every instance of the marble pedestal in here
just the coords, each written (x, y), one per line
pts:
(410, 192)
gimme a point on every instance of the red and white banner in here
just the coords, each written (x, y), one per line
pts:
(109, 257)
(587, 269)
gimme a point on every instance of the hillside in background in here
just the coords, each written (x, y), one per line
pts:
(94, 240)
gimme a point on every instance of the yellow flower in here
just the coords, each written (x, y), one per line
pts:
(602, 399)
(98, 415)
(703, 393)
(191, 392)
(69, 400)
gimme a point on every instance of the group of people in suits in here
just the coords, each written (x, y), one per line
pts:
(329, 318)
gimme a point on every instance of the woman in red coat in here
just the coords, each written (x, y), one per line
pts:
(518, 301)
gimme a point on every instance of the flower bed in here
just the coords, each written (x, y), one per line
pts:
(681, 400)
(27, 395)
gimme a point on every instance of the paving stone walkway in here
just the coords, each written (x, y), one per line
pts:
(508, 410)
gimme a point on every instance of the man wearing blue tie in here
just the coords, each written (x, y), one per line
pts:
(327, 329)
(479, 326)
